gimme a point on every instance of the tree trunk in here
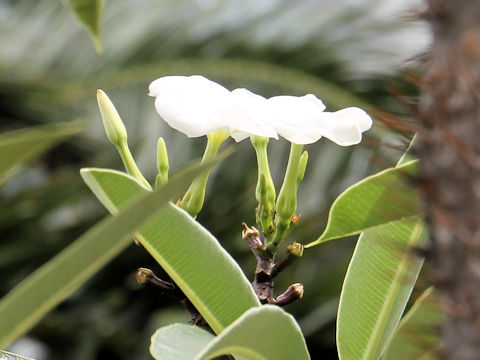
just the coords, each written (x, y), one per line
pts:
(449, 149)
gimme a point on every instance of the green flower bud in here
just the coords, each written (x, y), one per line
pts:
(117, 134)
(287, 198)
(265, 191)
(193, 199)
(162, 163)
(112, 122)
(302, 166)
(286, 205)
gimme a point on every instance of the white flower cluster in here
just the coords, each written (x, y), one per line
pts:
(197, 106)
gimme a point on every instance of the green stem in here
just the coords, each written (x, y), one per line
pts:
(130, 164)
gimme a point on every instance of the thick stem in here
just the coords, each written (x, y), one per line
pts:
(265, 270)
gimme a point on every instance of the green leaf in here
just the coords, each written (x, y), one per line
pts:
(192, 257)
(381, 275)
(377, 200)
(89, 13)
(378, 283)
(5, 355)
(261, 333)
(179, 342)
(22, 145)
(26, 304)
(418, 334)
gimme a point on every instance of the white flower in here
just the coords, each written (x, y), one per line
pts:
(188, 103)
(197, 106)
(295, 117)
(247, 113)
(302, 120)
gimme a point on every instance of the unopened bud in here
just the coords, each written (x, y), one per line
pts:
(193, 199)
(162, 163)
(266, 201)
(112, 122)
(287, 198)
(302, 166)
(265, 190)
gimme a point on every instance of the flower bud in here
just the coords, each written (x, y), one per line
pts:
(287, 198)
(265, 191)
(286, 204)
(302, 166)
(193, 199)
(112, 122)
(162, 163)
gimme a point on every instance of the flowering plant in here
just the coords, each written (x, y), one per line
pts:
(197, 107)
(230, 315)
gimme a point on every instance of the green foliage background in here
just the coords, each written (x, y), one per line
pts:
(49, 71)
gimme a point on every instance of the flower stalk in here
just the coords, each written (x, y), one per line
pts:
(265, 190)
(193, 199)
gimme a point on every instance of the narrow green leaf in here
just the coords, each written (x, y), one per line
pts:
(192, 257)
(380, 276)
(377, 200)
(89, 13)
(261, 333)
(378, 283)
(26, 304)
(22, 145)
(418, 334)
(4, 355)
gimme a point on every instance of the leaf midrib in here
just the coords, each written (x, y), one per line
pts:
(372, 344)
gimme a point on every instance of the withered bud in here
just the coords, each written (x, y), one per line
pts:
(295, 249)
(147, 277)
(295, 218)
(293, 293)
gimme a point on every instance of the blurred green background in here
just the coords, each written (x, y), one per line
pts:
(347, 52)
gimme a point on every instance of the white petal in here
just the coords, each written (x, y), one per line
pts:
(187, 103)
(294, 117)
(341, 130)
(239, 135)
(360, 117)
(185, 85)
(247, 113)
